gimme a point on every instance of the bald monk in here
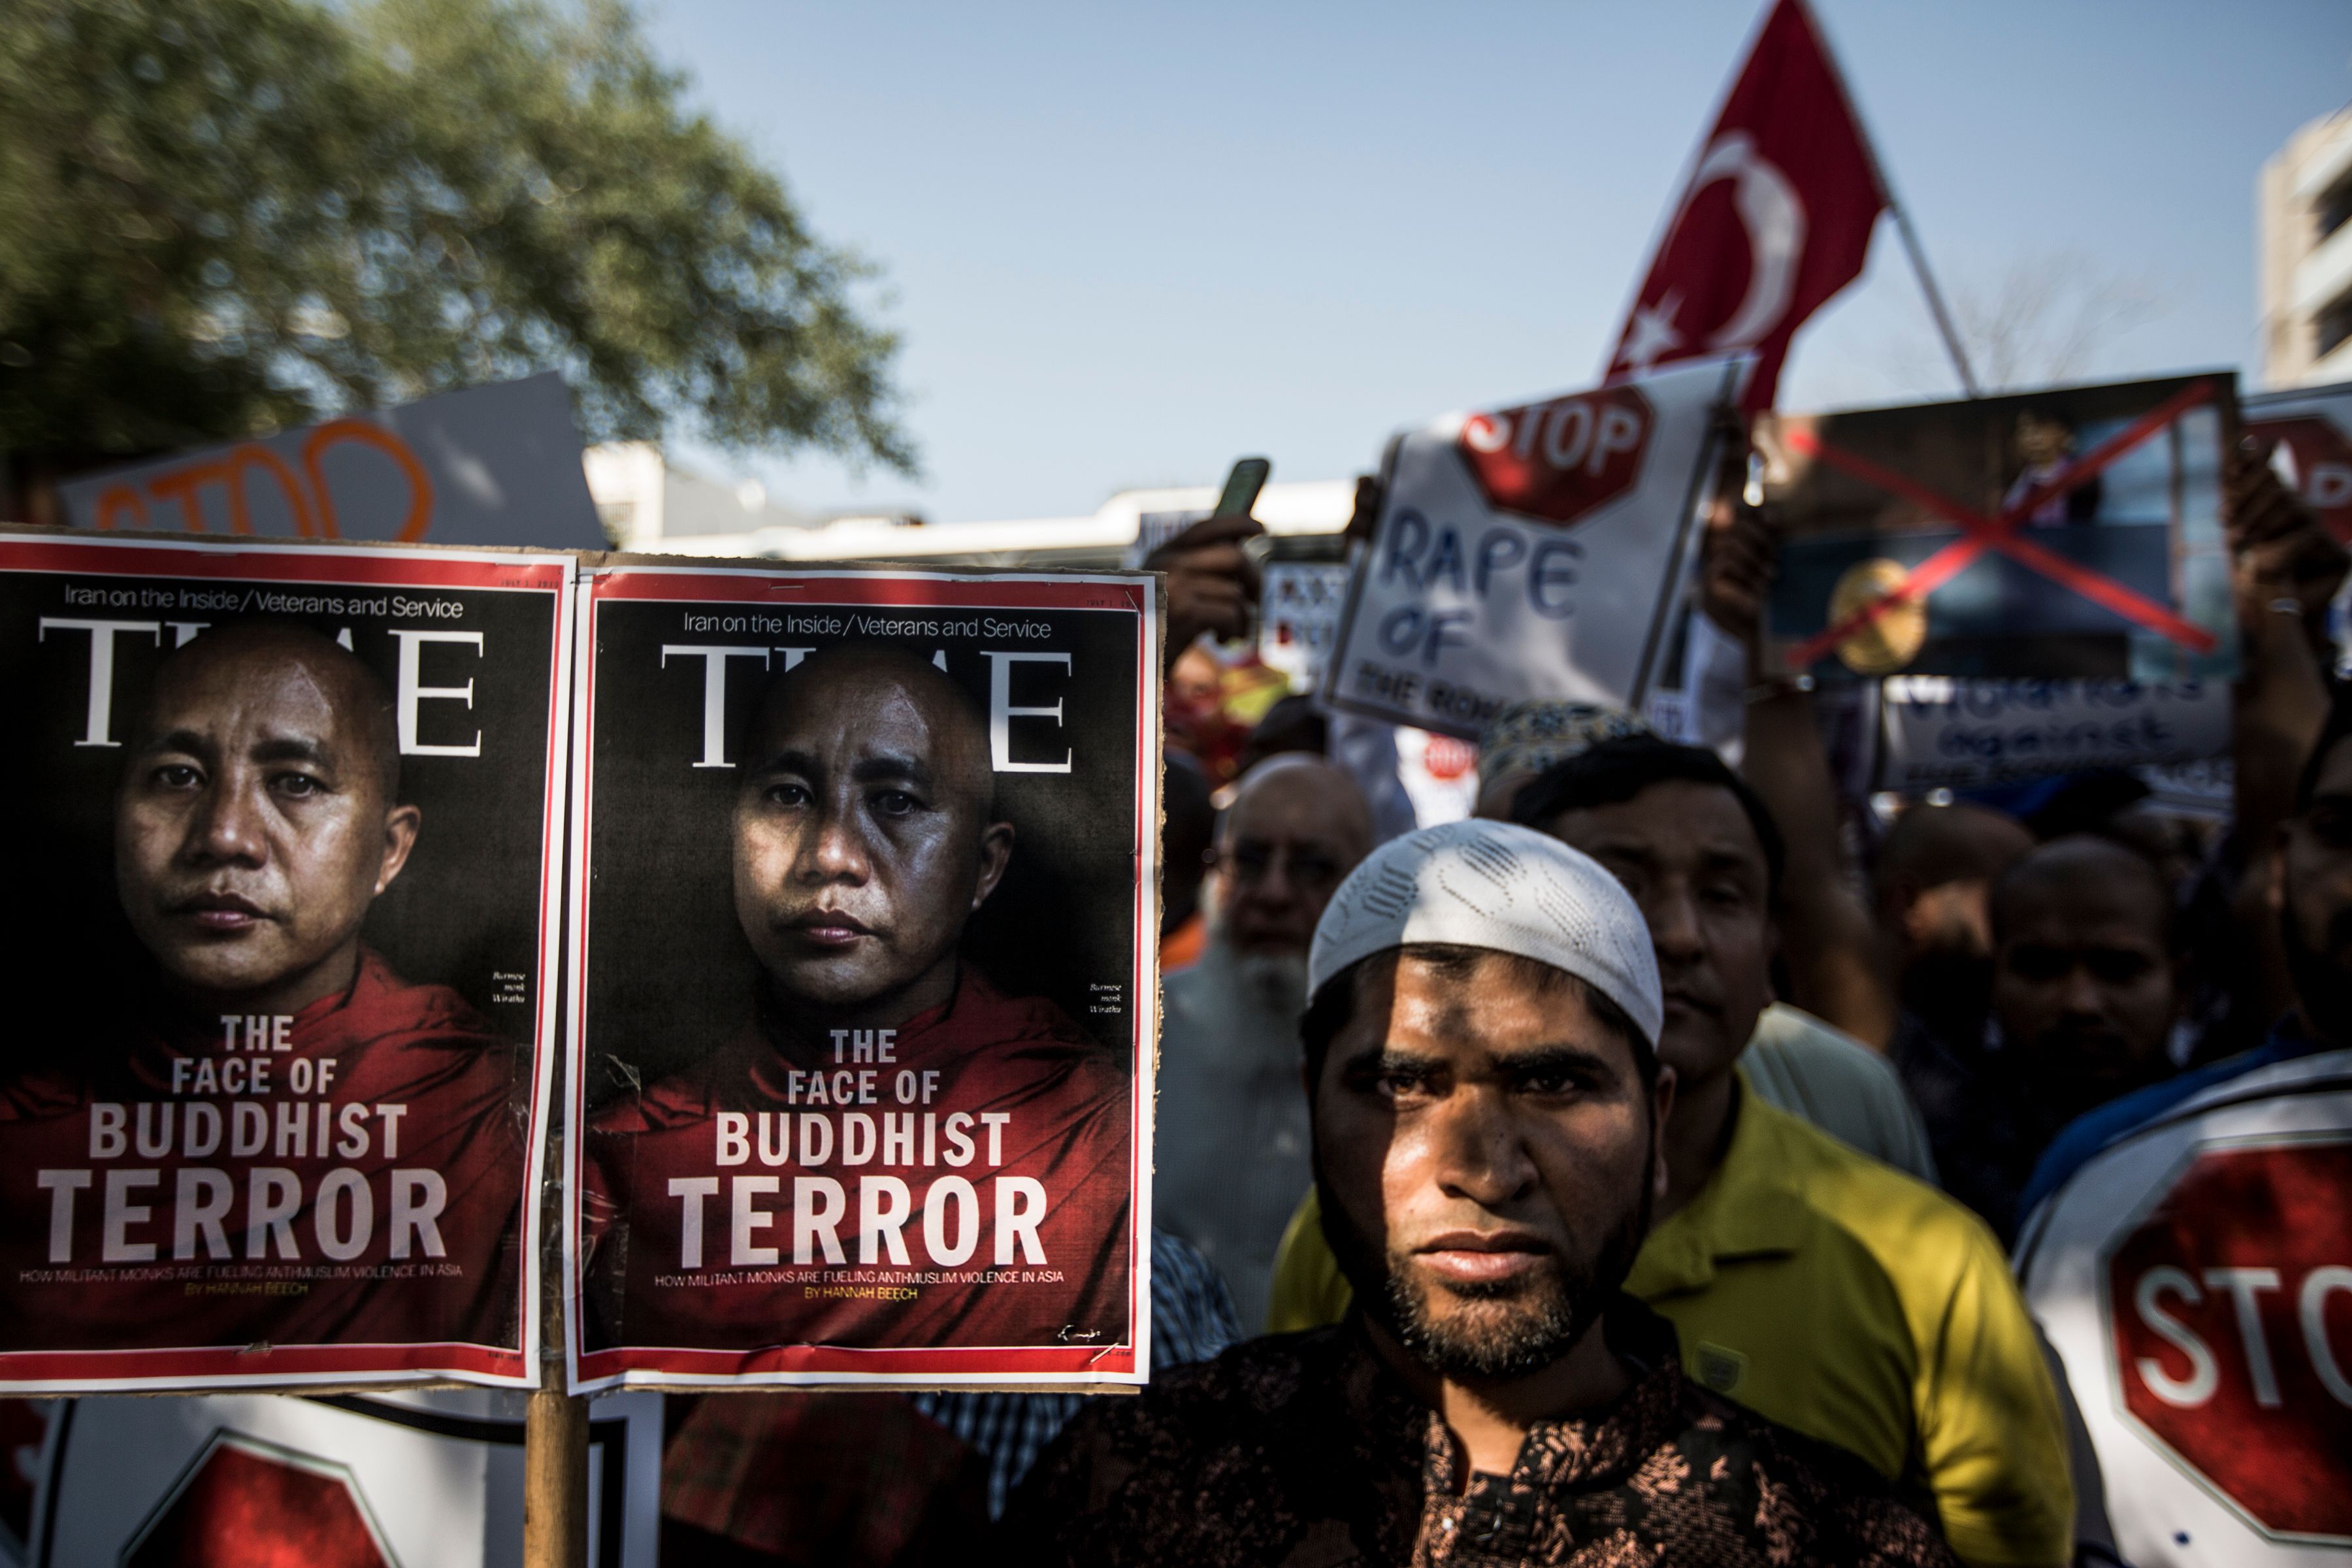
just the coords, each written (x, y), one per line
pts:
(288, 1145)
(888, 1110)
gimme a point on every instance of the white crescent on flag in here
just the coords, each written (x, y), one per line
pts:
(1805, 196)
(1775, 219)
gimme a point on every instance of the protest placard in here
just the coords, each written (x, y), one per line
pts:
(385, 1479)
(490, 464)
(2312, 426)
(2075, 533)
(280, 963)
(2190, 1277)
(864, 998)
(1940, 732)
(1299, 617)
(1527, 552)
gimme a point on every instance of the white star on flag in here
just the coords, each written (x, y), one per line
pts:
(1651, 335)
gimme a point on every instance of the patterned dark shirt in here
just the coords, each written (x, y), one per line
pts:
(1192, 1320)
(1303, 1450)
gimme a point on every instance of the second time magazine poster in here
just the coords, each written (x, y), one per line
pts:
(863, 993)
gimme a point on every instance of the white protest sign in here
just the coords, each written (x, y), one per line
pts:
(1298, 617)
(2312, 426)
(1154, 529)
(1440, 775)
(2195, 1277)
(394, 1479)
(2310, 430)
(492, 465)
(1525, 553)
(2205, 788)
(1940, 732)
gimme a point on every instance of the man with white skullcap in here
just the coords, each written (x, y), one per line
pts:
(1486, 1097)
(1815, 1286)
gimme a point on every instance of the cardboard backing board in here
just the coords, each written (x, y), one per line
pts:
(490, 464)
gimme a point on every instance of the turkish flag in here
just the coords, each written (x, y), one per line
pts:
(1776, 219)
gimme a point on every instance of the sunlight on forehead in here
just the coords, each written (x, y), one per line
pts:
(1494, 1006)
(256, 698)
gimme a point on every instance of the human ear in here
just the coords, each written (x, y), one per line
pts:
(400, 828)
(995, 853)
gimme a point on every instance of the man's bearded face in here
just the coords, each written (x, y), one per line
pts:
(1485, 1152)
(2083, 984)
(253, 826)
(1274, 984)
(861, 839)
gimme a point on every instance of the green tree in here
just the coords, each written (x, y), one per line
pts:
(218, 217)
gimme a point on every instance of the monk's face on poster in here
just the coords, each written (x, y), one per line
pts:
(256, 821)
(863, 835)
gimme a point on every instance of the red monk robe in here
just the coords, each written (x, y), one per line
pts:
(197, 1269)
(1069, 1106)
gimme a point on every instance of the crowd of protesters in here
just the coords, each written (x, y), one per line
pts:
(1630, 1173)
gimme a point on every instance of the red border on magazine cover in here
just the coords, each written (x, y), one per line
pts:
(293, 1365)
(1074, 1367)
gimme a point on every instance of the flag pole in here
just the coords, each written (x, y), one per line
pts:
(1910, 235)
(1927, 286)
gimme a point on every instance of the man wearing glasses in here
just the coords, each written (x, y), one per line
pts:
(1232, 1143)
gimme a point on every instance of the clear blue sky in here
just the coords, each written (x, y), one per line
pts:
(1125, 244)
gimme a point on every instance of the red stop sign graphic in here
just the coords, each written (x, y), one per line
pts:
(2323, 466)
(2231, 1308)
(1556, 461)
(248, 1504)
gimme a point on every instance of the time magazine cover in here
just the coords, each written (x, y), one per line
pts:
(282, 959)
(864, 995)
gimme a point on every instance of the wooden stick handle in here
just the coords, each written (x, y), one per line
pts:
(555, 1427)
(555, 1477)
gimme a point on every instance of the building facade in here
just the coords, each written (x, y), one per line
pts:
(645, 504)
(2304, 207)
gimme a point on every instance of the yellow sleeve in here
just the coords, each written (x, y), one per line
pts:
(1991, 1435)
(1309, 1291)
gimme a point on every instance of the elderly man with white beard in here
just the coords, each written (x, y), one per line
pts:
(1233, 1134)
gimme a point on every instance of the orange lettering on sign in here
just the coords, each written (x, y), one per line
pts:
(420, 488)
(121, 498)
(181, 485)
(256, 457)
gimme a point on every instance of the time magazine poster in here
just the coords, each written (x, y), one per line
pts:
(863, 976)
(279, 960)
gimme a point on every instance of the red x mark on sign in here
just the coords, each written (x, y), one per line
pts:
(2000, 533)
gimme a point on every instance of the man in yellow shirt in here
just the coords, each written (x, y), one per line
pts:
(1814, 1285)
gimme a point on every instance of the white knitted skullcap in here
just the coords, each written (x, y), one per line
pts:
(1495, 885)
